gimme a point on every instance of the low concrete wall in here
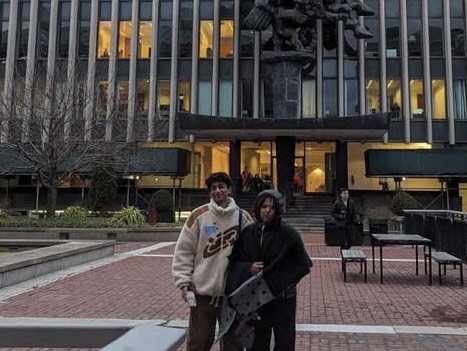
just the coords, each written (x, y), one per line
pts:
(118, 234)
(25, 265)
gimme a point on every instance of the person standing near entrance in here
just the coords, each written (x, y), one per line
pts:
(343, 211)
(201, 259)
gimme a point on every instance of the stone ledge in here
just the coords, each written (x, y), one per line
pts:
(119, 234)
(26, 265)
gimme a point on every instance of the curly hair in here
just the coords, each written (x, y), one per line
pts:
(220, 177)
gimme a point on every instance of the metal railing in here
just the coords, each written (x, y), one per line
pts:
(447, 230)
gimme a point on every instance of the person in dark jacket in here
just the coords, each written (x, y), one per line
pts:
(343, 211)
(267, 262)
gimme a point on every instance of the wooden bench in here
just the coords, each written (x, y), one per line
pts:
(353, 256)
(443, 259)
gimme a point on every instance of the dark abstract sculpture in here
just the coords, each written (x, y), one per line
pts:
(294, 21)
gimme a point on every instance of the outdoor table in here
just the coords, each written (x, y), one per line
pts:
(399, 239)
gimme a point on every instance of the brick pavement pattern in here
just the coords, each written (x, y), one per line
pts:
(141, 287)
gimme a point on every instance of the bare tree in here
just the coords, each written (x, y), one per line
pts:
(45, 131)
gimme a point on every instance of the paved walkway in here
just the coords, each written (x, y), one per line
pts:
(403, 314)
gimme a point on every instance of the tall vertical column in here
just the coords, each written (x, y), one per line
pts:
(72, 67)
(174, 70)
(342, 175)
(285, 153)
(153, 70)
(112, 113)
(132, 86)
(234, 165)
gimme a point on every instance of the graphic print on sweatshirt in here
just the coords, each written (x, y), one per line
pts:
(220, 241)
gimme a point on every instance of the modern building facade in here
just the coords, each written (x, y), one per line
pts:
(146, 63)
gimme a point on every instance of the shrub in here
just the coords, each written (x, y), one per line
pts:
(103, 189)
(162, 200)
(401, 201)
(75, 212)
(128, 217)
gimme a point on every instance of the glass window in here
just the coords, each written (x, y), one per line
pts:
(125, 10)
(458, 37)
(4, 9)
(394, 97)
(145, 10)
(246, 98)
(392, 38)
(417, 98)
(105, 34)
(373, 99)
(352, 106)
(103, 96)
(225, 98)
(184, 94)
(460, 99)
(457, 8)
(83, 31)
(350, 68)
(204, 97)
(435, 8)
(145, 39)
(392, 8)
(206, 9)
(122, 97)
(372, 44)
(227, 9)
(414, 28)
(165, 30)
(124, 39)
(330, 98)
(436, 37)
(206, 39)
(105, 10)
(64, 29)
(330, 68)
(226, 39)
(309, 98)
(438, 93)
(23, 29)
(186, 29)
(163, 97)
(44, 15)
(142, 96)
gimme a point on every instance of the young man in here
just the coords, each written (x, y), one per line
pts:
(201, 259)
(343, 210)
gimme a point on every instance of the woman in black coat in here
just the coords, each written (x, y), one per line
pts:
(271, 255)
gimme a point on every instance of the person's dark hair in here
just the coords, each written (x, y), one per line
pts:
(275, 196)
(341, 190)
(220, 177)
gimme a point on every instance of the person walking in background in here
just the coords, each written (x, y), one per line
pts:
(267, 262)
(257, 183)
(246, 179)
(201, 258)
(343, 211)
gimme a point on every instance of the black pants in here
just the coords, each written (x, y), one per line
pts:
(277, 316)
(346, 235)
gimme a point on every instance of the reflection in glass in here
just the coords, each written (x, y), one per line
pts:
(438, 93)
(44, 15)
(124, 39)
(205, 39)
(330, 98)
(458, 37)
(103, 95)
(247, 41)
(309, 98)
(204, 97)
(103, 43)
(184, 94)
(226, 39)
(436, 37)
(23, 29)
(142, 96)
(414, 39)
(122, 97)
(225, 98)
(163, 97)
(394, 97)
(460, 99)
(372, 96)
(417, 98)
(372, 44)
(392, 38)
(145, 39)
(351, 106)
